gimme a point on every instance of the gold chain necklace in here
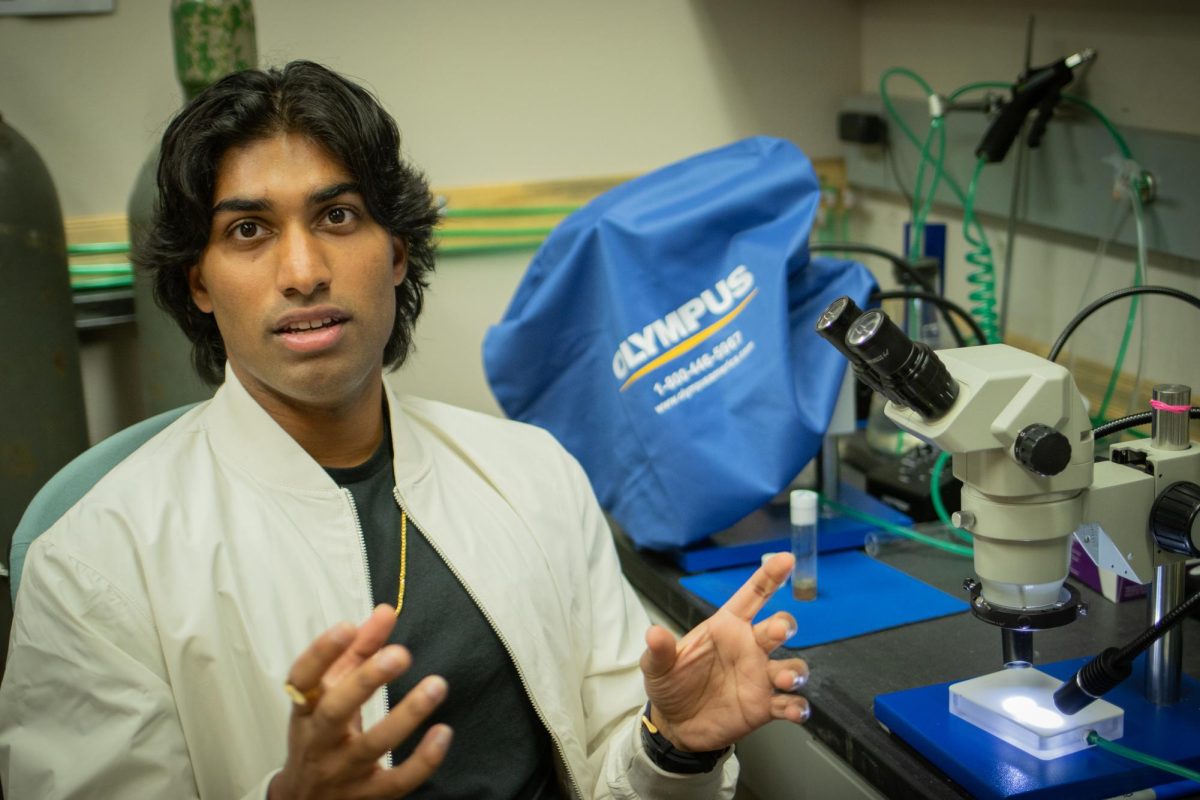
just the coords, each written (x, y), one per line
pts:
(403, 560)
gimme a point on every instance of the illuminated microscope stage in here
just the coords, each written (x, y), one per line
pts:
(990, 767)
(1017, 705)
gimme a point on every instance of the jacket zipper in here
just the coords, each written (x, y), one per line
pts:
(362, 546)
(562, 754)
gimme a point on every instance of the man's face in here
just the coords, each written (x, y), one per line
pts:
(299, 276)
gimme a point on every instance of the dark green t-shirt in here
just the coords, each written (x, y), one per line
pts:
(500, 748)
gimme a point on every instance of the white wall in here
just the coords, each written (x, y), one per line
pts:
(90, 92)
(1144, 76)
(483, 91)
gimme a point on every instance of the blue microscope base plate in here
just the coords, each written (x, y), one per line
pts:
(988, 767)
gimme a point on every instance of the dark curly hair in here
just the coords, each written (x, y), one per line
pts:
(304, 98)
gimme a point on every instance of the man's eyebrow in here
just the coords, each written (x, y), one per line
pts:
(319, 196)
(330, 192)
(240, 204)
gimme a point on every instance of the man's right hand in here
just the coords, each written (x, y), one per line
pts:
(329, 754)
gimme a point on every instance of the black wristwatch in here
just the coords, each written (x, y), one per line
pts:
(666, 757)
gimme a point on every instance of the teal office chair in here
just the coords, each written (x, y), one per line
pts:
(74, 480)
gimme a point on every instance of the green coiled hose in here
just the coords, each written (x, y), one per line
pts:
(983, 275)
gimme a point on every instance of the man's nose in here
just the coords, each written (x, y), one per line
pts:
(302, 267)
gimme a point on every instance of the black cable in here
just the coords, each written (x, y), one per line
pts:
(1156, 631)
(900, 262)
(1106, 671)
(947, 308)
(1112, 297)
(1132, 421)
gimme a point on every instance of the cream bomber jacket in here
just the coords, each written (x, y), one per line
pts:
(158, 619)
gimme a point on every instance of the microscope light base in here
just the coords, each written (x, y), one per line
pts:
(989, 768)
(1017, 706)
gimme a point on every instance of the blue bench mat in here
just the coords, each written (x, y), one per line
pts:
(768, 530)
(855, 595)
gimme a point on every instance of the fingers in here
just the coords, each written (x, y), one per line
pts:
(774, 631)
(754, 593)
(368, 638)
(330, 682)
(788, 675)
(310, 667)
(660, 652)
(404, 718)
(791, 707)
(346, 697)
(416, 769)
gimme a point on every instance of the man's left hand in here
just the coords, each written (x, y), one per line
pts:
(718, 683)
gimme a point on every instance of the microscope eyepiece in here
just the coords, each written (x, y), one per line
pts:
(908, 369)
(833, 325)
(841, 313)
(866, 328)
(835, 321)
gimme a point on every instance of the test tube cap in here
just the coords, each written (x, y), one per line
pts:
(803, 503)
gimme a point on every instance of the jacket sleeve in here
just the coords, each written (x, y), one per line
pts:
(613, 692)
(86, 708)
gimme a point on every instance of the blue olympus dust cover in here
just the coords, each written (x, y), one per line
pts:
(664, 334)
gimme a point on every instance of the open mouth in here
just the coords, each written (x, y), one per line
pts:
(312, 335)
(309, 325)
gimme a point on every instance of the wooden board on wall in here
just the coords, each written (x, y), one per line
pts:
(498, 207)
(559, 195)
(101, 228)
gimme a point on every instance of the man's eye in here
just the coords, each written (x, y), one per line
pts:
(246, 230)
(339, 215)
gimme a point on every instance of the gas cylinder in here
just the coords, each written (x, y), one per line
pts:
(212, 39)
(42, 422)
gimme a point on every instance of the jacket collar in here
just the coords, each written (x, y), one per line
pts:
(254, 441)
(411, 459)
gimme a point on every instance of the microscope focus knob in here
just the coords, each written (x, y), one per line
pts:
(1175, 519)
(1041, 449)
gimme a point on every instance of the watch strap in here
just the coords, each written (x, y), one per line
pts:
(666, 757)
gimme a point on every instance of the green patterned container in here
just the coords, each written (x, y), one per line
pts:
(212, 39)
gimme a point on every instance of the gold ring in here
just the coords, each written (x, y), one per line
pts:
(303, 699)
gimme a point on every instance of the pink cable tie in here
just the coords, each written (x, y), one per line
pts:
(1159, 405)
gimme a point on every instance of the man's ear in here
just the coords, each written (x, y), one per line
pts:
(399, 261)
(199, 290)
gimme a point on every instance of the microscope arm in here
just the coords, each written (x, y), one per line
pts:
(1128, 526)
(1115, 511)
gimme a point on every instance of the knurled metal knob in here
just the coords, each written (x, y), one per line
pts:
(1041, 449)
(1175, 517)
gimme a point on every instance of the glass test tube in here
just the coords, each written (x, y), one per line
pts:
(804, 544)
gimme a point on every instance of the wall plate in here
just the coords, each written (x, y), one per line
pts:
(1069, 184)
(50, 7)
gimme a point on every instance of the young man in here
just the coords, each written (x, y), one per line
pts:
(505, 656)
